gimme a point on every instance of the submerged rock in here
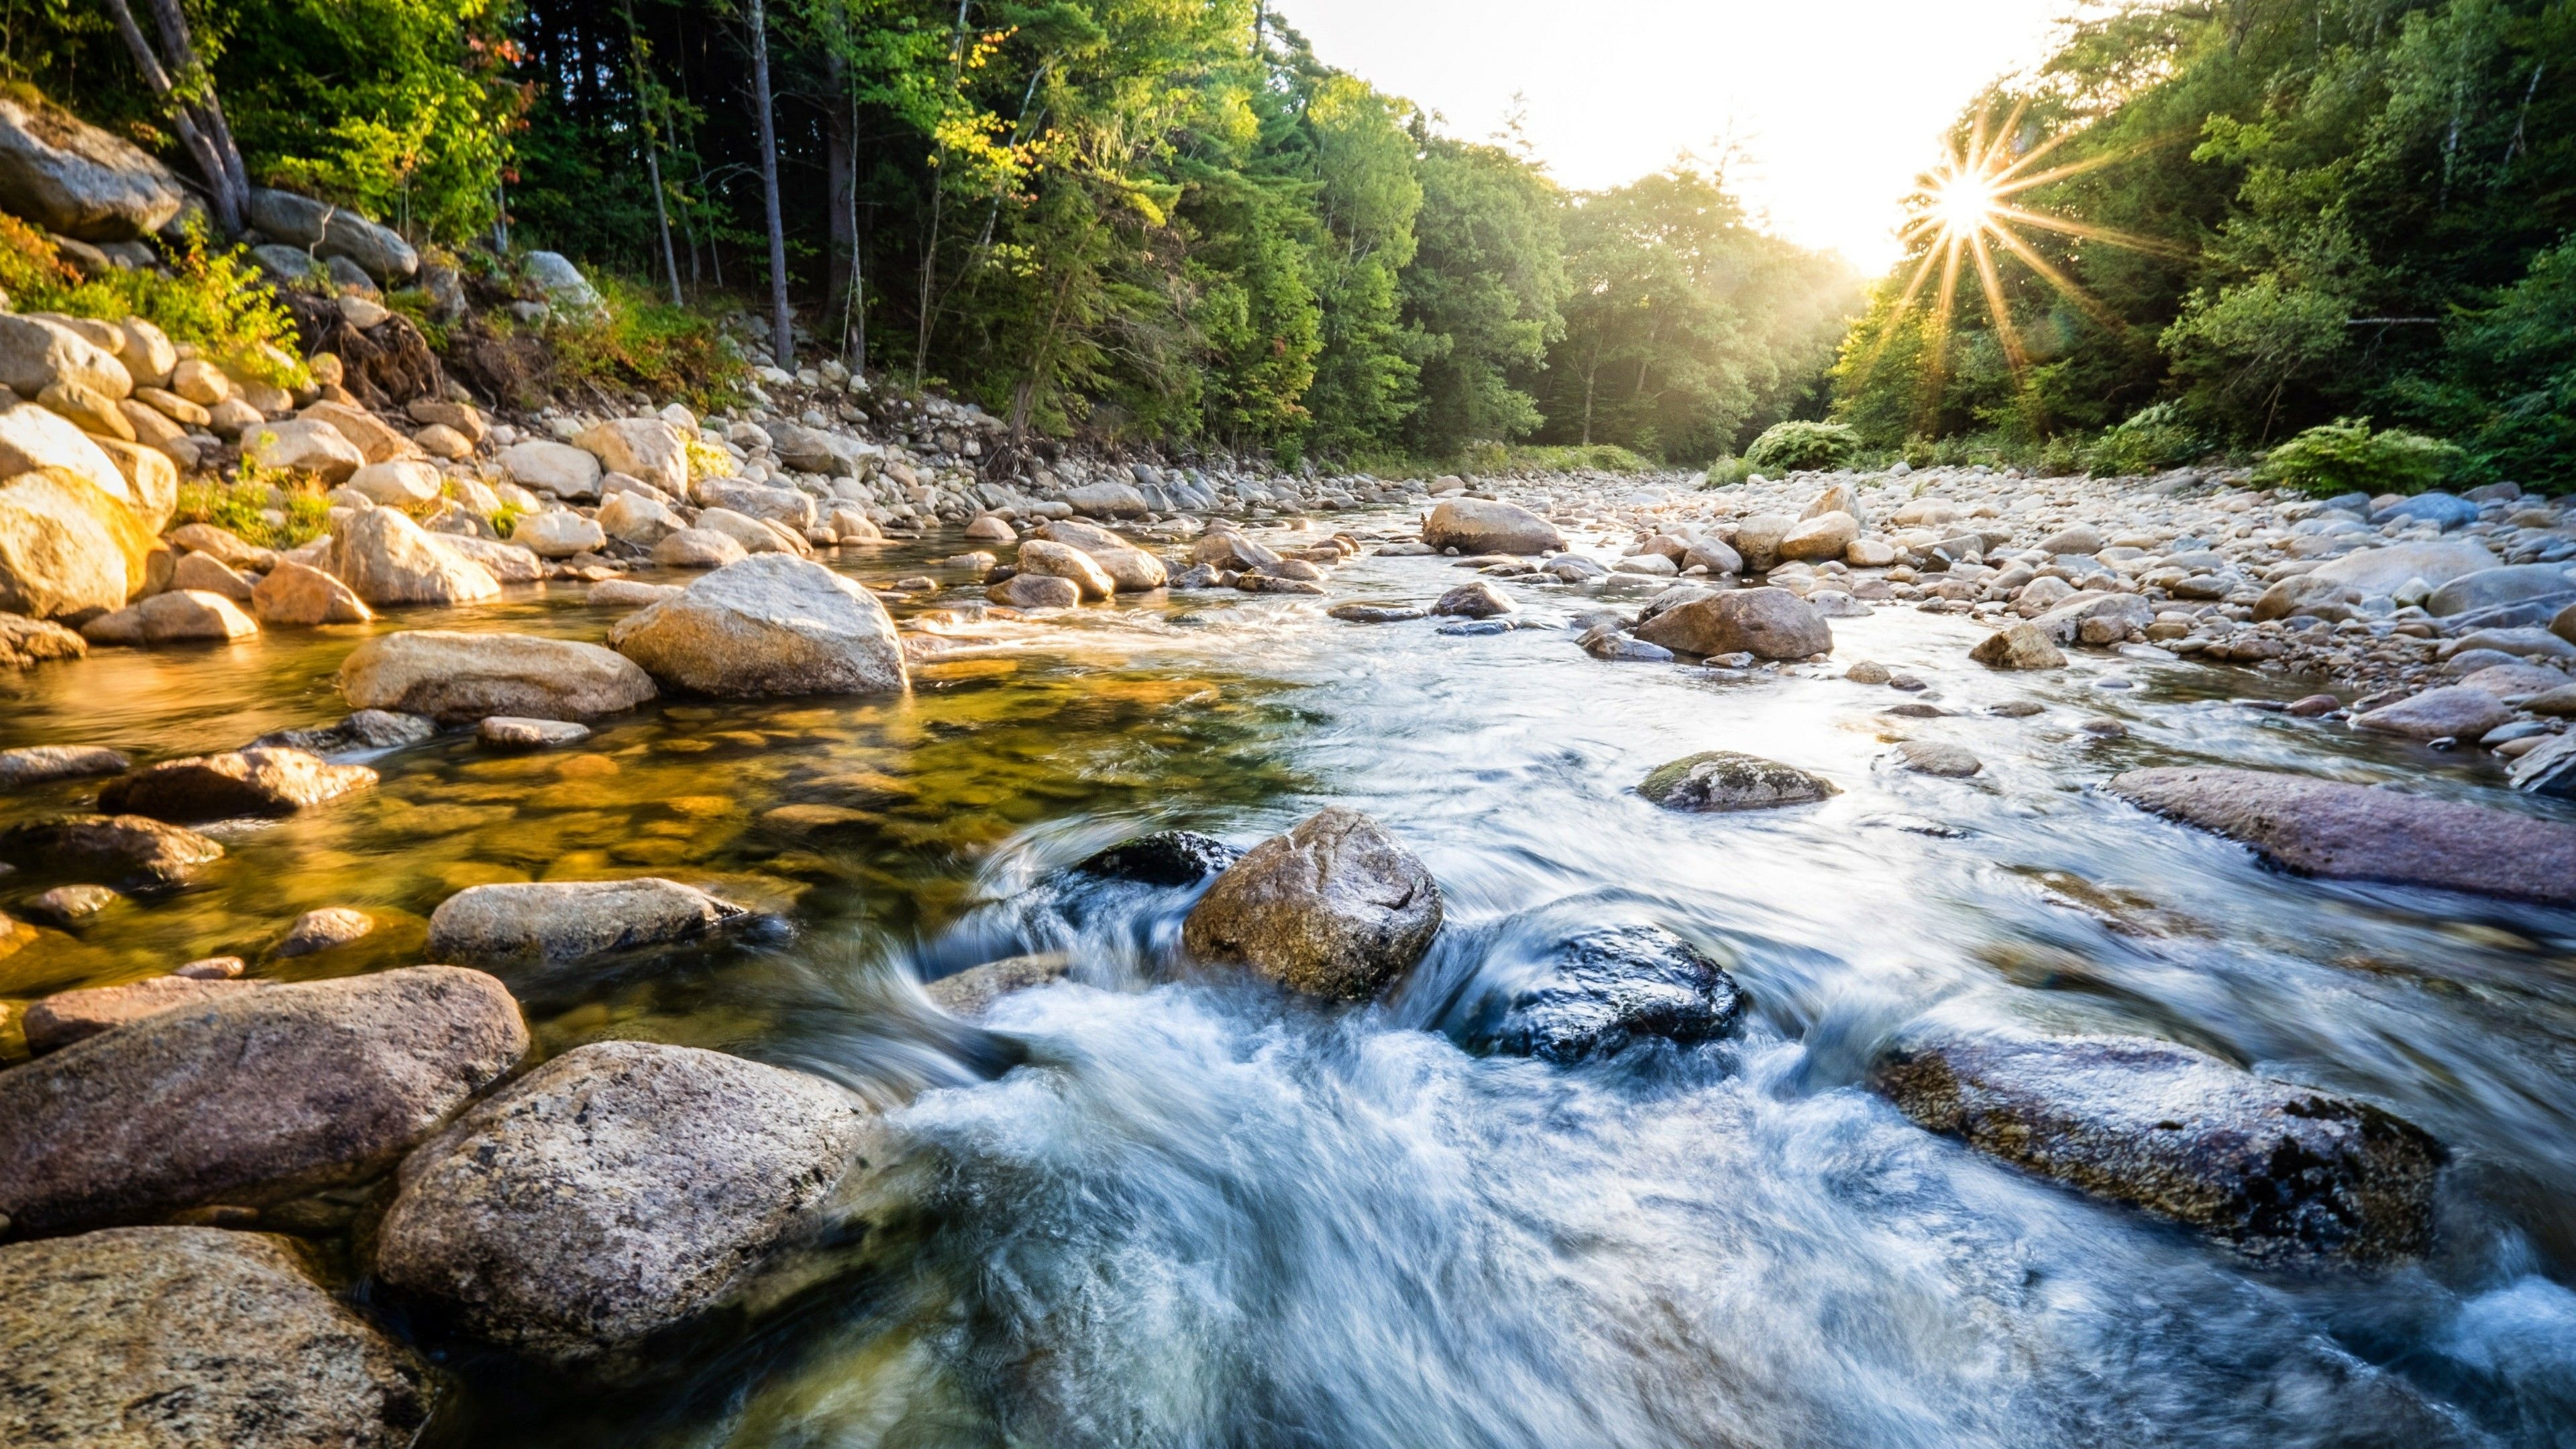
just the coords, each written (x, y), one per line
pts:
(256, 781)
(1725, 780)
(768, 625)
(252, 1098)
(2358, 832)
(1335, 908)
(1605, 989)
(1372, 613)
(555, 921)
(34, 765)
(457, 678)
(973, 991)
(171, 1338)
(131, 850)
(367, 729)
(1169, 858)
(2272, 1169)
(621, 1188)
(1932, 757)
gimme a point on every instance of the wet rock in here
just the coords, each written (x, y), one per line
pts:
(2509, 584)
(1715, 780)
(256, 781)
(293, 594)
(1618, 648)
(1931, 757)
(1064, 561)
(1604, 989)
(1169, 858)
(769, 625)
(386, 559)
(1372, 613)
(1477, 600)
(1766, 623)
(367, 729)
(457, 677)
(2018, 646)
(1036, 591)
(2275, 1170)
(1869, 671)
(72, 906)
(171, 1338)
(318, 931)
(972, 992)
(617, 1190)
(26, 643)
(557, 921)
(1335, 907)
(128, 849)
(513, 732)
(1475, 525)
(2455, 711)
(178, 617)
(1130, 568)
(252, 1098)
(69, 1016)
(34, 765)
(2358, 832)
(2549, 770)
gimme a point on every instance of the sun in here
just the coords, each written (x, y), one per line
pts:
(1961, 201)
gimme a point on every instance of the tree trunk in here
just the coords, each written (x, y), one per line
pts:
(840, 188)
(189, 94)
(782, 338)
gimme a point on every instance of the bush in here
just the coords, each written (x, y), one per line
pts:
(1795, 446)
(1726, 472)
(215, 300)
(267, 507)
(2345, 456)
(2152, 440)
(639, 341)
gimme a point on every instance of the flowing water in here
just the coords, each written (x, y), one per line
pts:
(1146, 1207)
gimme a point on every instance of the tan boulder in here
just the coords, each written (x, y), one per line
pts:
(373, 436)
(645, 448)
(34, 438)
(151, 479)
(146, 352)
(438, 412)
(37, 352)
(388, 559)
(200, 382)
(439, 440)
(179, 616)
(172, 406)
(232, 417)
(66, 547)
(455, 677)
(1132, 569)
(398, 483)
(302, 446)
(1820, 536)
(1064, 561)
(90, 411)
(294, 593)
(209, 574)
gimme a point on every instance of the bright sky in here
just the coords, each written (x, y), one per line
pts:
(1841, 103)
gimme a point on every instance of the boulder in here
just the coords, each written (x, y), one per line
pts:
(457, 678)
(1713, 555)
(2327, 599)
(303, 447)
(69, 1016)
(986, 528)
(557, 921)
(2095, 617)
(1714, 780)
(254, 781)
(1064, 561)
(561, 283)
(37, 354)
(295, 593)
(398, 483)
(2380, 572)
(1035, 591)
(560, 533)
(1767, 623)
(1758, 538)
(212, 575)
(697, 548)
(177, 617)
(32, 765)
(173, 1338)
(619, 1189)
(2018, 646)
(768, 625)
(812, 450)
(147, 352)
(557, 468)
(324, 230)
(1106, 500)
(250, 1099)
(1932, 757)
(1605, 989)
(386, 559)
(2549, 770)
(2357, 832)
(2080, 538)
(72, 178)
(66, 546)
(2510, 584)
(317, 931)
(375, 439)
(1166, 859)
(35, 439)
(2275, 1170)
(1820, 536)
(1227, 549)
(1479, 525)
(785, 506)
(752, 535)
(644, 448)
(1475, 600)
(129, 850)
(2443, 510)
(1130, 568)
(2455, 711)
(636, 519)
(507, 563)
(26, 643)
(1333, 908)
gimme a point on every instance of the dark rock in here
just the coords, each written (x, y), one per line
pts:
(1335, 908)
(2549, 770)
(72, 905)
(44, 764)
(131, 850)
(514, 732)
(1165, 858)
(257, 781)
(1725, 780)
(1478, 600)
(1606, 988)
(1372, 613)
(367, 729)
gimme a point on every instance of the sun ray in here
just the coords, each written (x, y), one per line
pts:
(2086, 230)
(1904, 303)
(2066, 286)
(1999, 310)
(1944, 304)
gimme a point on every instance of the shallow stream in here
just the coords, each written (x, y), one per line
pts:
(1135, 1209)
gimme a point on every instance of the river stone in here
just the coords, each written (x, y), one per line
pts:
(557, 921)
(2358, 832)
(1478, 525)
(322, 930)
(1766, 623)
(2095, 617)
(1714, 555)
(206, 572)
(181, 1338)
(1606, 988)
(254, 1098)
(1373, 613)
(1106, 500)
(1064, 561)
(621, 1188)
(2509, 584)
(366, 729)
(510, 732)
(973, 991)
(639, 520)
(768, 625)
(457, 678)
(1227, 549)
(784, 506)
(398, 483)
(324, 230)
(1931, 757)
(698, 548)
(1475, 600)
(26, 643)
(1168, 858)
(507, 563)
(2383, 571)
(1130, 568)
(1725, 780)
(255, 781)
(558, 534)
(297, 594)
(1335, 907)
(644, 448)
(754, 535)
(2326, 599)
(2454, 711)
(2548, 771)
(2275, 1170)
(69, 1016)
(557, 468)
(66, 547)
(2018, 646)
(1035, 591)
(1820, 536)
(179, 616)
(33, 765)
(130, 850)
(387, 559)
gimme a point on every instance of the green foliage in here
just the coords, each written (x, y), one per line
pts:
(2345, 456)
(213, 299)
(1481, 297)
(2152, 439)
(638, 340)
(266, 507)
(1794, 446)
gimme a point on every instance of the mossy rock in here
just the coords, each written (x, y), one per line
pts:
(1726, 780)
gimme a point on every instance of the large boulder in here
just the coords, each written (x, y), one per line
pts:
(2454, 711)
(303, 446)
(456, 677)
(398, 483)
(2095, 616)
(177, 1338)
(1820, 536)
(2359, 832)
(617, 1190)
(1132, 569)
(557, 468)
(65, 547)
(698, 548)
(561, 283)
(555, 921)
(254, 781)
(256, 1098)
(2018, 646)
(648, 449)
(294, 593)
(787, 506)
(1766, 623)
(1335, 907)
(1604, 989)
(325, 230)
(2275, 1170)
(559, 533)
(177, 616)
(2383, 571)
(126, 850)
(377, 440)
(70, 177)
(1479, 525)
(1106, 500)
(1758, 538)
(768, 625)
(2511, 584)
(33, 438)
(1720, 780)
(637, 519)
(1049, 559)
(69, 1016)
(386, 559)
(813, 450)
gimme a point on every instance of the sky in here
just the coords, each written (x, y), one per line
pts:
(1841, 103)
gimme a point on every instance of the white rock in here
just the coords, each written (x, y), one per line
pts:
(768, 625)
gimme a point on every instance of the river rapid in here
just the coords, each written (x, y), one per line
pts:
(1149, 1206)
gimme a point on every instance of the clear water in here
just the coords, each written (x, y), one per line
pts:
(1147, 1209)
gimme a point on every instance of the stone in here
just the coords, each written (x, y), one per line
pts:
(1335, 908)
(177, 1337)
(769, 625)
(457, 678)
(26, 643)
(37, 439)
(317, 931)
(1035, 591)
(813, 450)
(1475, 600)
(2381, 572)
(461, 418)
(1373, 613)
(128, 849)
(1768, 623)
(69, 1016)
(2081, 538)
(2547, 770)
(1931, 757)
(206, 538)
(2275, 1170)
(2340, 831)
(388, 560)
(753, 535)
(985, 528)
(972, 992)
(1819, 537)
(644, 448)
(32, 765)
(1758, 537)
(260, 780)
(507, 563)
(558, 534)
(1227, 549)
(1869, 553)
(2509, 584)
(374, 438)
(1602, 990)
(366, 731)
(2307, 594)
(783, 506)
(1106, 500)
(1063, 561)
(2444, 510)
(1713, 555)
(439, 440)
(1167, 859)
(697, 548)
(325, 230)
(146, 352)
(636, 519)
(557, 468)
(561, 921)
(560, 282)
(203, 571)
(200, 382)
(2018, 646)
(1646, 563)
(180, 616)
(513, 732)
(2454, 711)
(1131, 569)
(304, 447)
(619, 1189)
(2559, 701)
(1719, 780)
(1477, 525)
(2095, 617)
(296, 594)
(37, 354)
(98, 416)
(71, 906)
(70, 177)
(399, 483)
(253, 1098)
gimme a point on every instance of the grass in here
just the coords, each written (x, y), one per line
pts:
(214, 299)
(265, 507)
(639, 341)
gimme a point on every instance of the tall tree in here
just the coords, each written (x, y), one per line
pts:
(781, 320)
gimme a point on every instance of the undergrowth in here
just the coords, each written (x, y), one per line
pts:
(213, 299)
(267, 507)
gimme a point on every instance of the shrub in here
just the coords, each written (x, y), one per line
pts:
(268, 507)
(2345, 456)
(641, 342)
(1726, 472)
(2152, 440)
(1794, 446)
(215, 300)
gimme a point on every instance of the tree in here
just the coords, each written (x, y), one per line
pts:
(179, 78)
